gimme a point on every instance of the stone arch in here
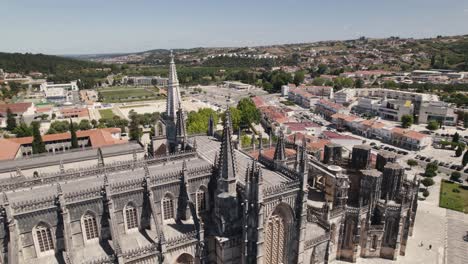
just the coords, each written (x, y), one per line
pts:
(184, 258)
(159, 129)
(278, 233)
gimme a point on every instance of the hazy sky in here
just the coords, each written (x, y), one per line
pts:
(106, 26)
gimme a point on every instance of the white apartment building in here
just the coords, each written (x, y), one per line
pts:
(440, 111)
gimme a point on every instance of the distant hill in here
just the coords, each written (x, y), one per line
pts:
(48, 64)
(393, 53)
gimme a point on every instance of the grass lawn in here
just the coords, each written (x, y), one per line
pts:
(453, 200)
(106, 113)
(128, 94)
(133, 106)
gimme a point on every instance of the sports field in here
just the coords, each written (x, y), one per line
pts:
(118, 94)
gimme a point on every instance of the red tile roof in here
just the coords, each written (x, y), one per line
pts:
(296, 126)
(334, 135)
(409, 133)
(258, 101)
(98, 137)
(15, 108)
(9, 149)
(330, 104)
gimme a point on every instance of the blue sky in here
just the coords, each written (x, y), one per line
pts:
(105, 26)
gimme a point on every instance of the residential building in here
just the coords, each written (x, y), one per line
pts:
(327, 108)
(61, 142)
(237, 85)
(410, 139)
(307, 128)
(440, 111)
(60, 93)
(395, 109)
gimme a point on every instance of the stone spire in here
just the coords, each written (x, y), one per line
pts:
(173, 93)
(227, 161)
(228, 222)
(211, 126)
(100, 158)
(181, 130)
(280, 151)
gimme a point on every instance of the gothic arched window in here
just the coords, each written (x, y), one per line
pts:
(89, 225)
(168, 207)
(131, 217)
(43, 237)
(349, 234)
(374, 242)
(278, 235)
(201, 200)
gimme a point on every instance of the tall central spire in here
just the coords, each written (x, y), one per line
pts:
(227, 162)
(173, 93)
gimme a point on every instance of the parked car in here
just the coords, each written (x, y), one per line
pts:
(428, 160)
(453, 167)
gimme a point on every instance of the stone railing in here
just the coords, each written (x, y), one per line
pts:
(126, 185)
(290, 173)
(270, 191)
(317, 240)
(140, 252)
(83, 194)
(102, 260)
(48, 178)
(33, 205)
(376, 227)
(181, 239)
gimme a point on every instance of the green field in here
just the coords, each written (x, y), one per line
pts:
(106, 113)
(453, 200)
(128, 94)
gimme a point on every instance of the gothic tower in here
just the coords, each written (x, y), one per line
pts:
(173, 93)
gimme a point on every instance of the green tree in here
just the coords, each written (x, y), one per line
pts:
(426, 193)
(407, 121)
(459, 151)
(431, 169)
(197, 122)
(74, 138)
(23, 130)
(248, 112)
(432, 125)
(412, 162)
(455, 176)
(298, 77)
(427, 182)
(134, 127)
(465, 159)
(58, 127)
(11, 120)
(38, 145)
(235, 118)
(456, 137)
(85, 125)
(94, 123)
(359, 83)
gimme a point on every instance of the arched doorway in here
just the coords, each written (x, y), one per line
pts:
(278, 235)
